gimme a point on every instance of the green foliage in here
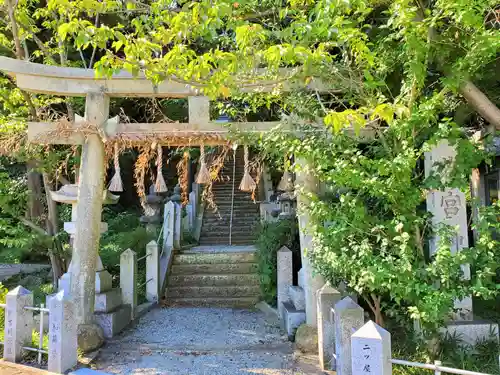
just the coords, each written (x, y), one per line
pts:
(451, 350)
(271, 237)
(3, 293)
(124, 232)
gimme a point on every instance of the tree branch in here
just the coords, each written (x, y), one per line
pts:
(20, 54)
(481, 103)
(32, 225)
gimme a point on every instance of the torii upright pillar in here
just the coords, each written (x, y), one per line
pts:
(307, 184)
(88, 225)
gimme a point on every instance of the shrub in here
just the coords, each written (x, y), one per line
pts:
(271, 237)
(3, 293)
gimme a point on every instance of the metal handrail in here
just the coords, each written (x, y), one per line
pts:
(144, 283)
(144, 257)
(436, 367)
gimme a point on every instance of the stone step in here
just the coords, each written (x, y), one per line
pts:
(214, 280)
(215, 258)
(112, 323)
(236, 231)
(225, 220)
(108, 301)
(213, 291)
(291, 319)
(225, 241)
(297, 297)
(237, 303)
(216, 269)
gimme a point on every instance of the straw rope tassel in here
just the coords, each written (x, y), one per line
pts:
(203, 176)
(116, 183)
(160, 185)
(247, 182)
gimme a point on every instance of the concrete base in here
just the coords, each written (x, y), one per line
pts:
(298, 297)
(114, 322)
(103, 281)
(291, 319)
(470, 332)
(108, 301)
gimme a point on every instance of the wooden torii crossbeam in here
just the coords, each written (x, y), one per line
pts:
(199, 130)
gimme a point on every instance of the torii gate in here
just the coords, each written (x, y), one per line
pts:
(65, 81)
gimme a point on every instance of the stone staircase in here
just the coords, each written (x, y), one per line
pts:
(214, 276)
(216, 224)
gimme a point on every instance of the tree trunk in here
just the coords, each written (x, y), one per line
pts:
(58, 264)
(35, 205)
(374, 302)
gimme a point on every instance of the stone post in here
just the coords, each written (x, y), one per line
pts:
(449, 207)
(348, 318)
(176, 199)
(327, 297)
(128, 279)
(63, 344)
(285, 276)
(194, 204)
(18, 323)
(168, 226)
(307, 183)
(371, 350)
(88, 212)
(152, 272)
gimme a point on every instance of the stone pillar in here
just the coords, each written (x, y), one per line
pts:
(152, 272)
(307, 183)
(88, 211)
(198, 110)
(449, 207)
(168, 226)
(18, 323)
(327, 297)
(371, 350)
(348, 317)
(176, 199)
(285, 276)
(63, 348)
(128, 279)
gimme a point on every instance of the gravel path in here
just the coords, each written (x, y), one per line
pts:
(201, 341)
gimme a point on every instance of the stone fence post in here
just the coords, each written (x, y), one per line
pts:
(348, 317)
(326, 298)
(168, 226)
(63, 334)
(18, 323)
(177, 225)
(371, 350)
(285, 276)
(128, 279)
(152, 272)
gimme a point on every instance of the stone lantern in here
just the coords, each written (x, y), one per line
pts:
(176, 197)
(152, 218)
(287, 200)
